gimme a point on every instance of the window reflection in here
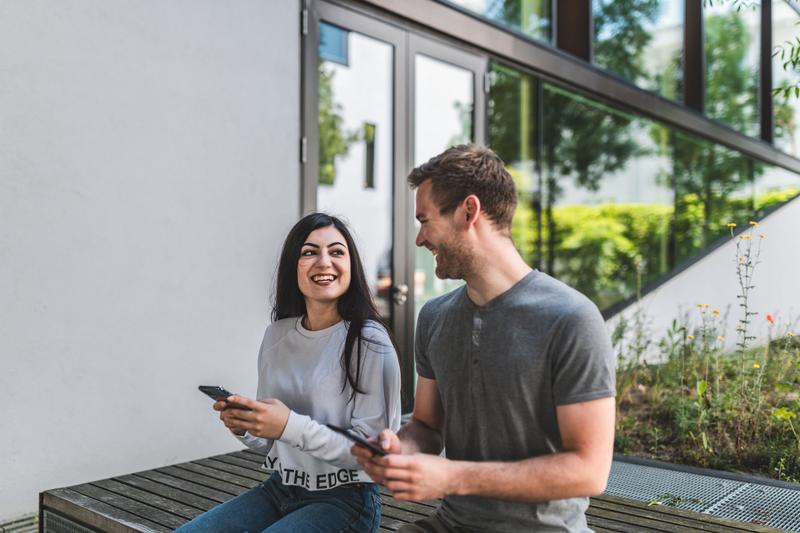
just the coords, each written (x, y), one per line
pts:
(355, 146)
(610, 201)
(731, 58)
(642, 41)
(530, 17)
(785, 20)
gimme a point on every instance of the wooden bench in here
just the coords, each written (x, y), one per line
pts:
(164, 498)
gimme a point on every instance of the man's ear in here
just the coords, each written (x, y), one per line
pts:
(472, 208)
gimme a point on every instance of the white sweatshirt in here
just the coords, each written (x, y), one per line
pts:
(303, 369)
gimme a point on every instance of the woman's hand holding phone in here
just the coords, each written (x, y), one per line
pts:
(267, 419)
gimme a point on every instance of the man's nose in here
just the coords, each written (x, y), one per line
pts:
(420, 240)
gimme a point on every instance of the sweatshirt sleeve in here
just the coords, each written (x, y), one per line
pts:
(257, 444)
(374, 410)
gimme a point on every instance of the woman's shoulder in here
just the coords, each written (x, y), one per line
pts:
(377, 338)
(280, 328)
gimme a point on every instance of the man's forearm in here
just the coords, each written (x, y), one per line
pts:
(552, 477)
(417, 437)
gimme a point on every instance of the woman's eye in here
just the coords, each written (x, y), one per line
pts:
(337, 252)
(306, 253)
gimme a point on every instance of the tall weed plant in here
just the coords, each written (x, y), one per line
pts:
(701, 406)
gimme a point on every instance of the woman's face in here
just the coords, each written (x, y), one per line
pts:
(323, 270)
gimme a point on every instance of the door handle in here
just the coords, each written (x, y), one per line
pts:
(400, 294)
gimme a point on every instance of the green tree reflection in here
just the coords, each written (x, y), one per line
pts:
(334, 140)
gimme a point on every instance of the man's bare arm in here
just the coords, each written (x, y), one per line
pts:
(581, 469)
(423, 433)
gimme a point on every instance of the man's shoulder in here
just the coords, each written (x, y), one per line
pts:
(440, 305)
(551, 299)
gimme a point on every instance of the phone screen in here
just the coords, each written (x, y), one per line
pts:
(355, 438)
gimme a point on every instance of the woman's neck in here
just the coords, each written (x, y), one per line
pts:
(320, 316)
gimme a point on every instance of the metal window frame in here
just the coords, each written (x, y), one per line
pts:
(563, 68)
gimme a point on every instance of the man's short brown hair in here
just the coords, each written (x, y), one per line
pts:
(469, 169)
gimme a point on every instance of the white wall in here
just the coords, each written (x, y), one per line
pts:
(713, 281)
(148, 173)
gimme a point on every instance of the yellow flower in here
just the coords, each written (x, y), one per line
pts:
(715, 311)
(761, 235)
(756, 365)
(690, 337)
(754, 223)
(748, 237)
(731, 225)
(720, 338)
(791, 333)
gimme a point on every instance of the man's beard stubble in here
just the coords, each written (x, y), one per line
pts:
(454, 260)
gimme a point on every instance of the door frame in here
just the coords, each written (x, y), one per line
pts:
(406, 44)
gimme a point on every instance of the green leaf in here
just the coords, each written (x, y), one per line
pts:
(783, 413)
(702, 387)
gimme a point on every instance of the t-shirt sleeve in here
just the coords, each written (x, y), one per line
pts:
(582, 360)
(421, 356)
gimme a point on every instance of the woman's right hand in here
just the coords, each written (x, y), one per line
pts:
(220, 406)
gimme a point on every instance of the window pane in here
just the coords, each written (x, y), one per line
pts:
(355, 147)
(444, 103)
(732, 39)
(642, 41)
(533, 18)
(609, 201)
(785, 20)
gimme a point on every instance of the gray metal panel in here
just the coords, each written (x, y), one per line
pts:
(55, 523)
(749, 502)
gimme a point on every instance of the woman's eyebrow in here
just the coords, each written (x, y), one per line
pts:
(311, 244)
(335, 243)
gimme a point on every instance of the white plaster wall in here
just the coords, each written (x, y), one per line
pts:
(713, 281)
(148, 173)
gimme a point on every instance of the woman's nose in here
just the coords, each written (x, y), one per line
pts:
(324, 259)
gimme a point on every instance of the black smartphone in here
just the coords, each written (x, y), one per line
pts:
(220, 393)
(358, 440)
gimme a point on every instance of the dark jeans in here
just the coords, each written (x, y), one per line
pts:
(275, 507)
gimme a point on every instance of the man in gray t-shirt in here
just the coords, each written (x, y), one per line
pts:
(516, 373)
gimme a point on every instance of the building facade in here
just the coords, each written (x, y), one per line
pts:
(155, 155)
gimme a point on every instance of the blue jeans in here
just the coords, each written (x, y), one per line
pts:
(275, 507)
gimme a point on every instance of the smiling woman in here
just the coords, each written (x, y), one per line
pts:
(327, 358)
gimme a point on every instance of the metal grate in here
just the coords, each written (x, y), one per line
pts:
(749, 502)
(762, 504)
(683, 490)
(55, 523)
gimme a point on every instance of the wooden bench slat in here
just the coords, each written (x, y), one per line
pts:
(257, 476)
(198, 490)
(631, 524)
(168, 491)
(97, 514)
(241, 463)
(130, 505)
(219, 475)
(150, 498)
(248, 455)
(228, 489)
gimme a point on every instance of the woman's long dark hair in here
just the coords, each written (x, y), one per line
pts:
(355, 305)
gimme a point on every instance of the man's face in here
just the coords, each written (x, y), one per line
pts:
(439, 234)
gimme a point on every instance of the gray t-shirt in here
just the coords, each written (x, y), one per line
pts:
(501, 369)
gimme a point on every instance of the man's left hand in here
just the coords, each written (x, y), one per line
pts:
(419, 476)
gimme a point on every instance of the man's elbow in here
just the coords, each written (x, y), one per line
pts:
(596, 486)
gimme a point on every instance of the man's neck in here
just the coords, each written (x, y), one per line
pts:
(499, 268)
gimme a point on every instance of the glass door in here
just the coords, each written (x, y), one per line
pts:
(378, 100)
